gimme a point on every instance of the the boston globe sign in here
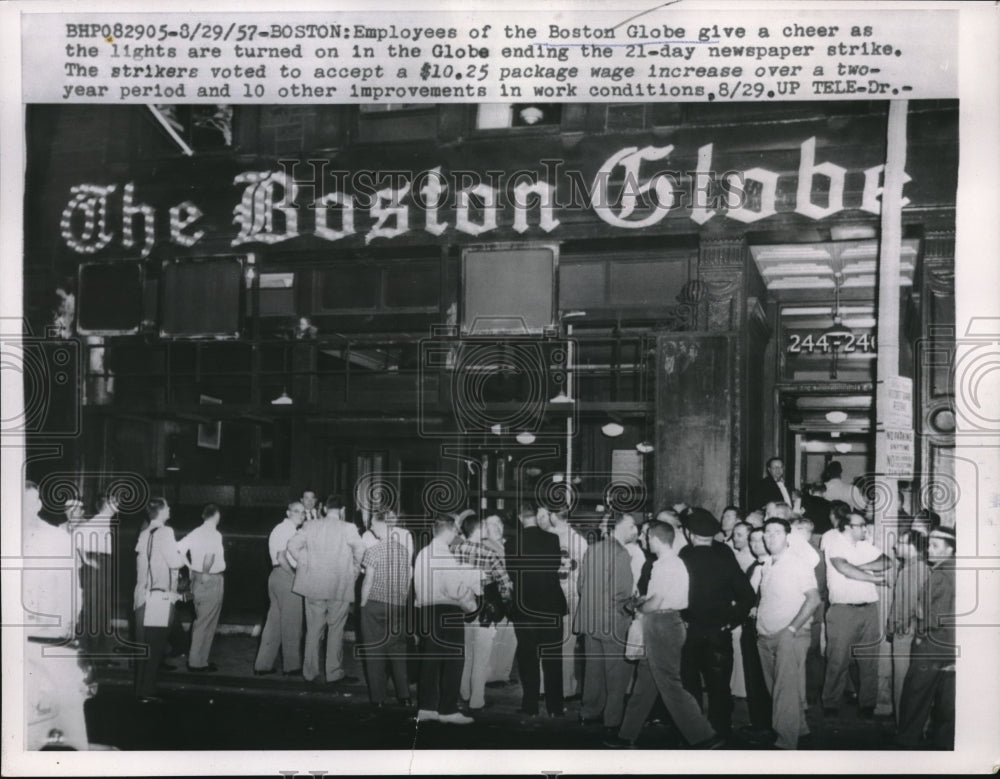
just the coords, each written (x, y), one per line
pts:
(634, 188)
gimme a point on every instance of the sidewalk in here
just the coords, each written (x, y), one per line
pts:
(234, 654)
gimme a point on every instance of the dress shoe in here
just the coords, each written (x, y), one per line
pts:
(406, 703)
(296, 672)
(203, 669)
(167, 667)
(617, 742)
(263, 673)
(455, 719)
(560, 714)
(866, 712)
(587, 721)
(571, 698)
(343, 680)
(151, 700)
(528, 712)
(716, 742)
(830, 711)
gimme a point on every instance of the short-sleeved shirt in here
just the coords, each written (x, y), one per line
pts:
(401, 534)
(156, 556)
(784, 582)
(204, 540)
(279, 538)
(439, 578)
(388, 563)
(842, 589)
(669, 583)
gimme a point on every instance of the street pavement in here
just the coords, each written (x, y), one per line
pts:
(234, 709)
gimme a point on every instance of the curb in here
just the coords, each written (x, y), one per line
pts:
(231, 629)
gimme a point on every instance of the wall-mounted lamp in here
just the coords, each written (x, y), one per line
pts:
(644, 447)
(525, 438)
(836, 417)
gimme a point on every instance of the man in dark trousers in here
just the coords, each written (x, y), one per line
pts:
(539, 606)
(605, 584)
(772, 488)
(929, 687)
(720, 599)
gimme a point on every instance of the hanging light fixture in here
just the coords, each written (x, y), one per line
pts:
(613, 427)
(283, 399)
(525, 438)
(838, 333)
(644, 447)
(836, 417)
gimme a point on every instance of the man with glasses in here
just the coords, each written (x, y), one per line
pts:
(854, 568)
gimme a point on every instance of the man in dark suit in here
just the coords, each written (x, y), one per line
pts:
(772, 487)
(539, 606)
(605, 584)
(720, 598)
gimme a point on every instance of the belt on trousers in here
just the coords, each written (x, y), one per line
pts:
(662, 611)
(856, 605)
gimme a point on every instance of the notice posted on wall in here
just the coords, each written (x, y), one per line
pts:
(523, 70)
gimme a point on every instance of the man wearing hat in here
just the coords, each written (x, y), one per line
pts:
(930, 680)
(720, 598)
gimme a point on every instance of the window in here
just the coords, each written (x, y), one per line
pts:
(379, 123)
(498, 116)
(508, 290)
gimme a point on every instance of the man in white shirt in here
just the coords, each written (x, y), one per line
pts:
(158, 562)
(445, 589)
(673, 518)
(283, 626)
(788, 597)
(853, 629)
(206, 559)
(55, 688)
(663, 636)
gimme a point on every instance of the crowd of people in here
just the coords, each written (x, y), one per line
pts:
(680, 614)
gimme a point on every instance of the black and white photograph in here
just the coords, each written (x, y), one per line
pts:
(629, 426)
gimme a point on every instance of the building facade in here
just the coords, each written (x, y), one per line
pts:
(428, 307)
